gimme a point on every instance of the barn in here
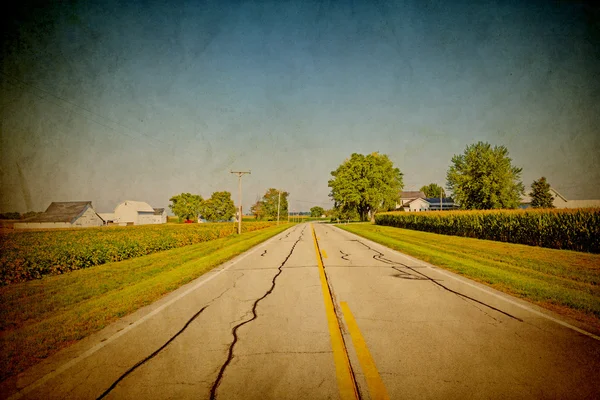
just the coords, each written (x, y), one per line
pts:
(160, 216)
(132, 212)
(64, 214)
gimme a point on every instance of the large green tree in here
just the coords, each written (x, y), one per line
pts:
(317, 211)
(540, 194)
(484, 178)
(366, 184)
(186, 206)
(267, 206)
(433, 190)
(219, 207)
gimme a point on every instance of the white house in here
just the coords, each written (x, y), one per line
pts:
(137, 213)
(418, 204)
(561, 201)
(64, 214)
(407, 197)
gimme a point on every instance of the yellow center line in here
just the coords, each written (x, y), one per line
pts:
(374, 382)
(345, 378)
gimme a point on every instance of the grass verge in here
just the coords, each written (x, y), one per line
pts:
(566, 282)
(38, 318)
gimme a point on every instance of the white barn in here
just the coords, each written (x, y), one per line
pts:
(138, 213)
(64, 214)
(160, 216)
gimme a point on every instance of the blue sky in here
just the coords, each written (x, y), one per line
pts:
(108, 101)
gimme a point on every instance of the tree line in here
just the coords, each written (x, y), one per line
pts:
(17, 215)
(482, 178)
(220, 206)
(189, 207)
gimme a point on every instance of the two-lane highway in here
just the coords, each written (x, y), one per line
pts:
(318, 313)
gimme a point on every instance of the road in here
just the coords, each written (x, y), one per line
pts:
(360, 321)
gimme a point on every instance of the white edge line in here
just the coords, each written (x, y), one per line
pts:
(466, 282)
(97, 347)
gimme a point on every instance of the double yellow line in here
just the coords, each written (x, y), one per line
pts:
(346, 382)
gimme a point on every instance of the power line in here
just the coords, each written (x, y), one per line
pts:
(240, 174)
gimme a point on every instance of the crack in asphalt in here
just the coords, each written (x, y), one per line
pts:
(141, 362)
(344, 255)
(379, 256)
(290, 232)
(286, 352)
(262, 255)
(213, 390)
(407, 275)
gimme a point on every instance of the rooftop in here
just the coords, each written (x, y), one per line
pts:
(62, 211)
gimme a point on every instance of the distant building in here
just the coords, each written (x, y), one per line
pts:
(160, 216)
(64, 214)
(447, 204)
(407, 197)
(138, 213)
(109, 218)
(418, 204)
(560, 201)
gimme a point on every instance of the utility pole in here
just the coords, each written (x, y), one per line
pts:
(239, 174)
(278, 203)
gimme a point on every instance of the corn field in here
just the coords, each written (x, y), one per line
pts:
(568, 229)
(34, 254)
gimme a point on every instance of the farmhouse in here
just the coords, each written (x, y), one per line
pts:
(417, 201)
(138, 213)
(418, 204)
(407, 197)
(64, 214)
(561, 201)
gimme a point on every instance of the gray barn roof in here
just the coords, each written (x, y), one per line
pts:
(159, 211)
(412, 195)
(62, 211)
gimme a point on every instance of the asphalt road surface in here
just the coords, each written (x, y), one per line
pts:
(326, 315)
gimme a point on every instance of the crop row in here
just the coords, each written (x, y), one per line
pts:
(34, 254)
(570, 229)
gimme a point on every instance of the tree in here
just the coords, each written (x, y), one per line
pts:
(317, 211)
(366, 184)
(257, 210)
(344, 214)
(267, 206)
(433, 190)
(10, 215)
(484, 178)
(219, 207)
(270, 200)
(186, 206)
(540, 194)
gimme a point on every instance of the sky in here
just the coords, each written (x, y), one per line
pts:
(127, 100)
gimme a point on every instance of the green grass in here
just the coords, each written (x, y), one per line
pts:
(564, 281)
(40, 317)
